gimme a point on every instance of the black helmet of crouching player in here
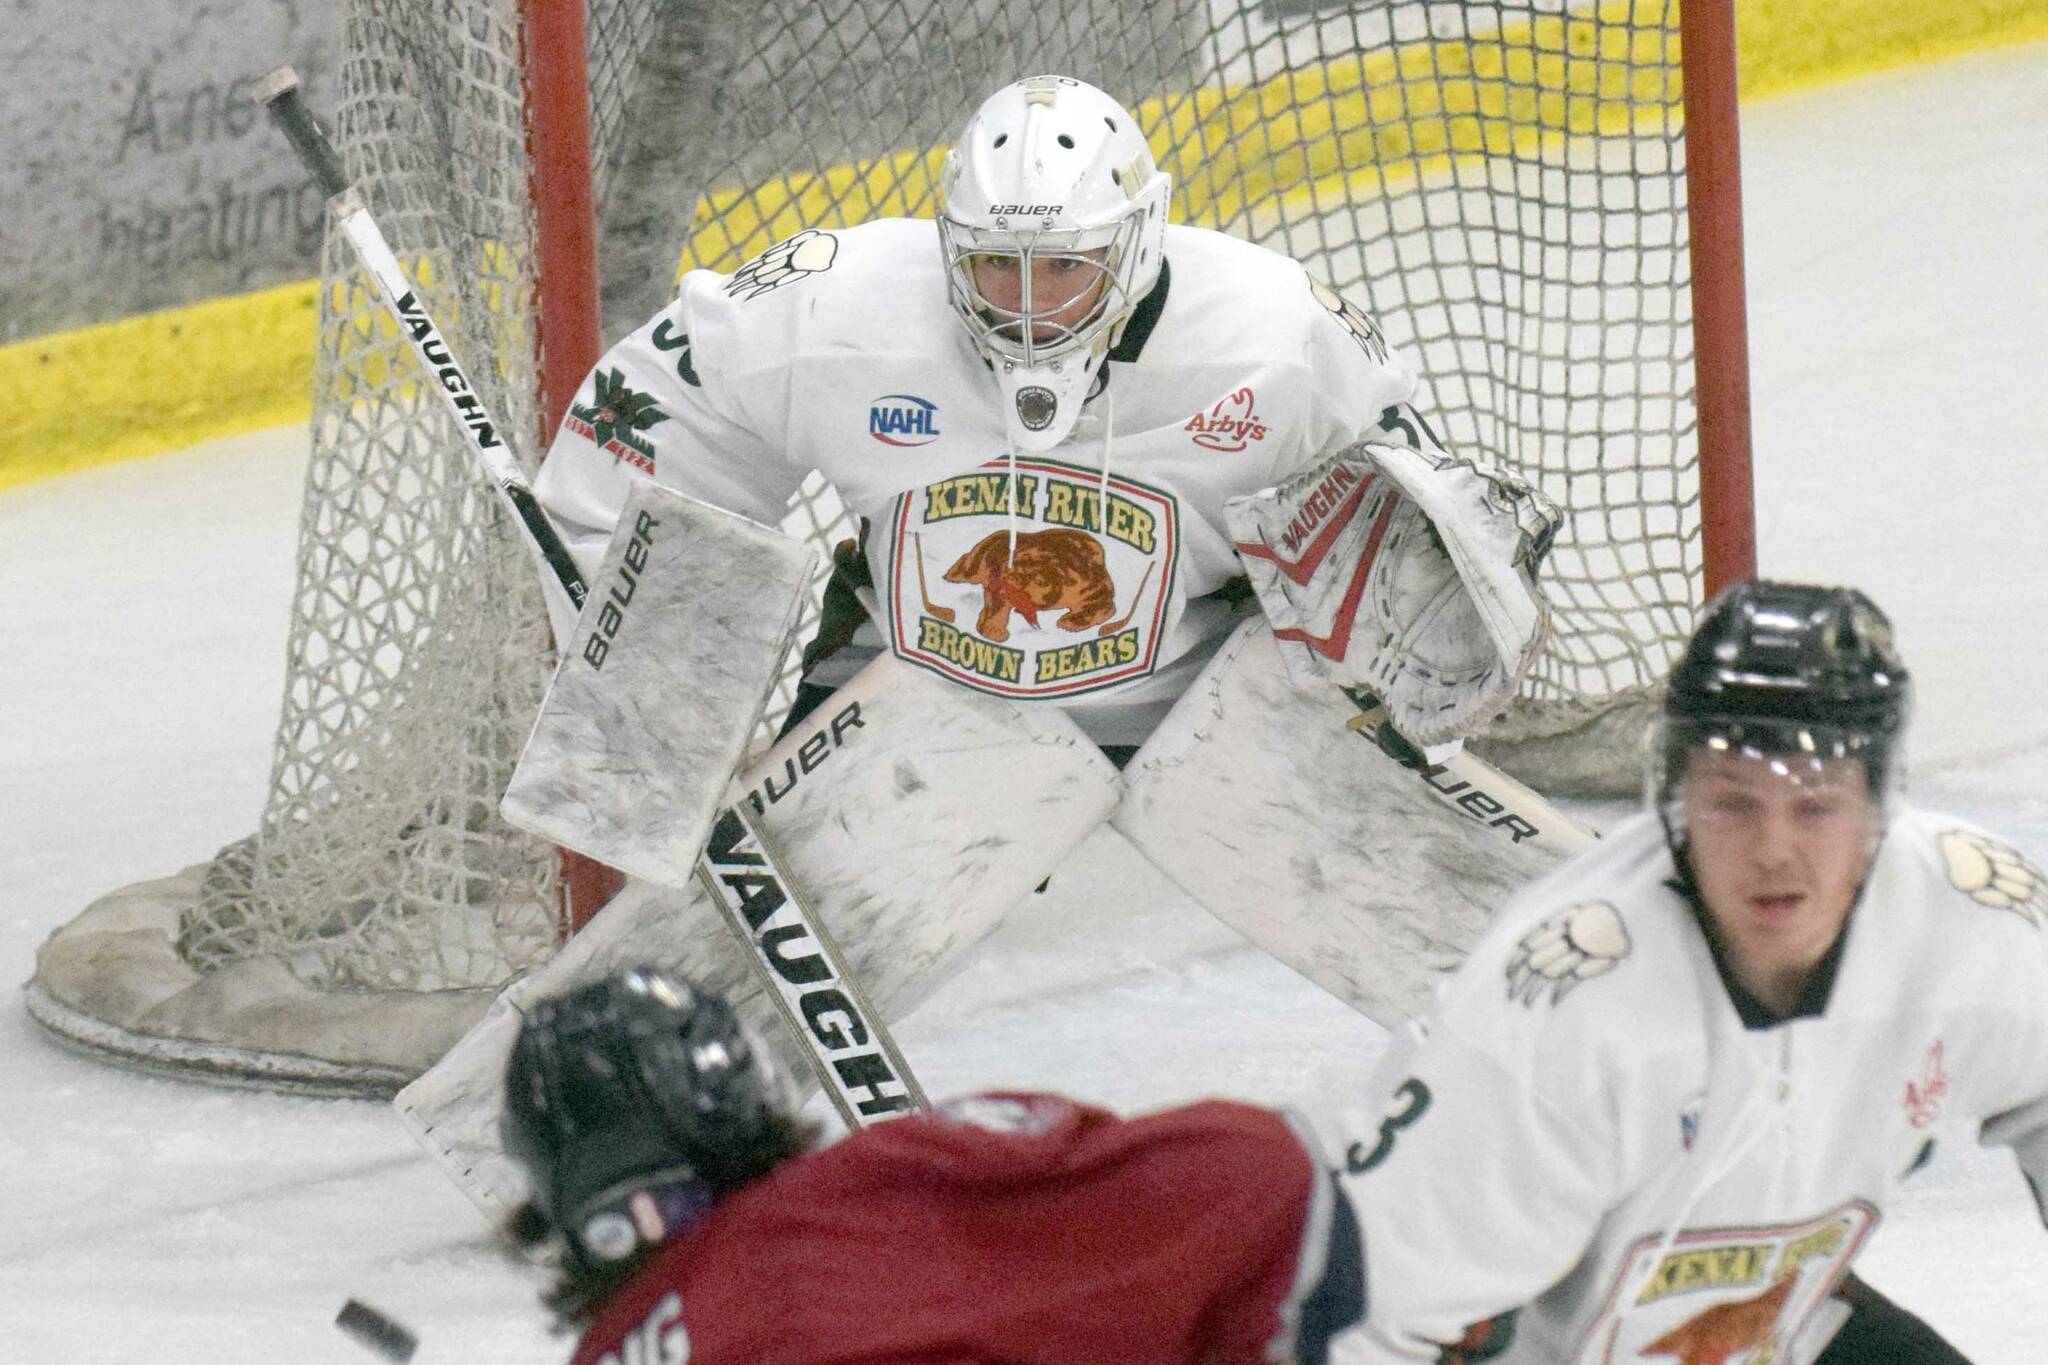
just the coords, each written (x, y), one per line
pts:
(635, 1102)
(1789, 670)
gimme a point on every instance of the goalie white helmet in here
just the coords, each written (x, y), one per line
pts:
(1052, 216)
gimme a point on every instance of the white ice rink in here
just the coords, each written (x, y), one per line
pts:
(1898, 238)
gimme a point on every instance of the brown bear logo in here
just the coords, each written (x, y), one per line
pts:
(1058, 570)
(1727, 1332)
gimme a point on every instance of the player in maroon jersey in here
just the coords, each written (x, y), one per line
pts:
(695, 1218)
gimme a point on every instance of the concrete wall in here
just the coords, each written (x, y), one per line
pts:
(137, 175)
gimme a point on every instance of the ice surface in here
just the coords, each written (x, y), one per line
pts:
(1898, 283)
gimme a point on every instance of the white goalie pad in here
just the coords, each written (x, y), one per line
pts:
(1410, 574)
(915, 815)
(1276, 807)
(661, 684)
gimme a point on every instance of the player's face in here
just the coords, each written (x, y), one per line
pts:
(1779, 847)
(1063, 292)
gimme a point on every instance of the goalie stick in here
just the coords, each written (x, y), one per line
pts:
(748, 857)
(279, 92)
(1473, 787)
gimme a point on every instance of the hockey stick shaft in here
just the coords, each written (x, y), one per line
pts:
(850, 1048)
(280, 94)
(866, 1081)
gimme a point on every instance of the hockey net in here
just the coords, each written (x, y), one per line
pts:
(1501, 185)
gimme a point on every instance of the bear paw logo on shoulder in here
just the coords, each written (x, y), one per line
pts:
(1230, 424)
(903, 419)
(810, 252)
(1996, 875)
(1574, 945)
(1352, 319)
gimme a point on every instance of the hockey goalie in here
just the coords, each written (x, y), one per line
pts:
(1151, 532)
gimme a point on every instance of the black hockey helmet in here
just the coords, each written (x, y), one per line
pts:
(1787, 669)
(633, 1103)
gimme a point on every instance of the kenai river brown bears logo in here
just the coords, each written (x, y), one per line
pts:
(1058, 571)
(1047, 589)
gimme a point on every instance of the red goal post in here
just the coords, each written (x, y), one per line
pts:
(1713, 174)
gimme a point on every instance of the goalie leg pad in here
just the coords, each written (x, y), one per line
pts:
(913, 813)
(1265, 803)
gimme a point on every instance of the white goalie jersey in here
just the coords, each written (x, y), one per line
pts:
(1586, 1135)
(1082, 576)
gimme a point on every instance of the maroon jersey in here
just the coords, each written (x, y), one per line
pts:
(1010, 1229)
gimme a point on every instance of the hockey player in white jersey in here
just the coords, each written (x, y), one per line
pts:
(1037, 405)
(1665, 1102)
(1086, 445)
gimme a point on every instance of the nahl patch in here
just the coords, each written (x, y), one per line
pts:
(1576, 944)
(903, 419)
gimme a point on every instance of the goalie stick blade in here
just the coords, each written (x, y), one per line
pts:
(661, 684)
(376, 1332)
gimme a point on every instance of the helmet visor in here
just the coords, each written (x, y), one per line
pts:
(1799, 754)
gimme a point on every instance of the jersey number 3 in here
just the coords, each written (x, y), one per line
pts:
(1414, 1097)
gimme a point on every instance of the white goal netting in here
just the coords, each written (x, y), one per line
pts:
(1500, 184)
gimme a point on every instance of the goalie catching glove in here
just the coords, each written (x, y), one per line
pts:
(1409, 573)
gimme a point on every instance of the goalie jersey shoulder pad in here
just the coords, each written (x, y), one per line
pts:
(875, 289)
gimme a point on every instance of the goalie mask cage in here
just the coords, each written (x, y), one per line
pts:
(1502, 185)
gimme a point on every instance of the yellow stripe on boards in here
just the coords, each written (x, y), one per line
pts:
(1787, 45)
(1351, 125)
(166, 380)
(156, 382)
